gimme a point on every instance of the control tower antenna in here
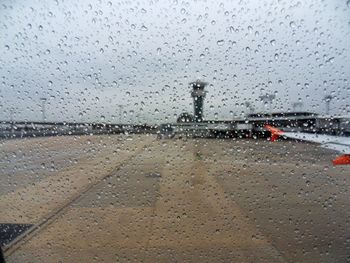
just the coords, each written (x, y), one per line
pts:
(198, 94)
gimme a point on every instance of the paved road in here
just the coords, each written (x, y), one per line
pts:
(199, 200)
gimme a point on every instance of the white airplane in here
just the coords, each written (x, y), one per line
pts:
(337, 143)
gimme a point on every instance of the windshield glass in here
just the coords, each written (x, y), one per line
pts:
(175, 131)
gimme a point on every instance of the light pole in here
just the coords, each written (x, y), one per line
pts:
(120, 106)
(328, 99)
(43, 102)
(11, 114)
(12, 120)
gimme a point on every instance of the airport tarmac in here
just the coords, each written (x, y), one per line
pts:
(134, 198)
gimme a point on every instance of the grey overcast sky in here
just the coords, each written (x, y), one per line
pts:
(88, 57)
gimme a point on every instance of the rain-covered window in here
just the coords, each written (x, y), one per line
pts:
(175, 131)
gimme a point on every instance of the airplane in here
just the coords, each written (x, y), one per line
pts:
(337, 143)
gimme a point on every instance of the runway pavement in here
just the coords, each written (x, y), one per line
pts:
(141, 199)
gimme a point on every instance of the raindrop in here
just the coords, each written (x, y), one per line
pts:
(250, 29)
(143, 28)
(220, 42)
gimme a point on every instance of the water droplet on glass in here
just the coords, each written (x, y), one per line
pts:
(143, 28)
(250, 29)
(220, 42)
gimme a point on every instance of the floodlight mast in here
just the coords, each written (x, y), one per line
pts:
(328, 99)
(120, 109)
(43, 108)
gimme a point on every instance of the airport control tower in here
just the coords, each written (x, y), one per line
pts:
(198, 95)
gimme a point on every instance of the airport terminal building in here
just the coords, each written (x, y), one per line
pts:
(253, 124)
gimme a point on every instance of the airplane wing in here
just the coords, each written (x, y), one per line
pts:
(337, 143)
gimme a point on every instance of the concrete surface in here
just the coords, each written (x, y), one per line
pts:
(178, 201)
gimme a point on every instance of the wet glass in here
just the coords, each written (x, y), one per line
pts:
(161, 131)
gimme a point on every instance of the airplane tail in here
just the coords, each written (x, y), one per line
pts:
(275, 133)
(342, 160)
